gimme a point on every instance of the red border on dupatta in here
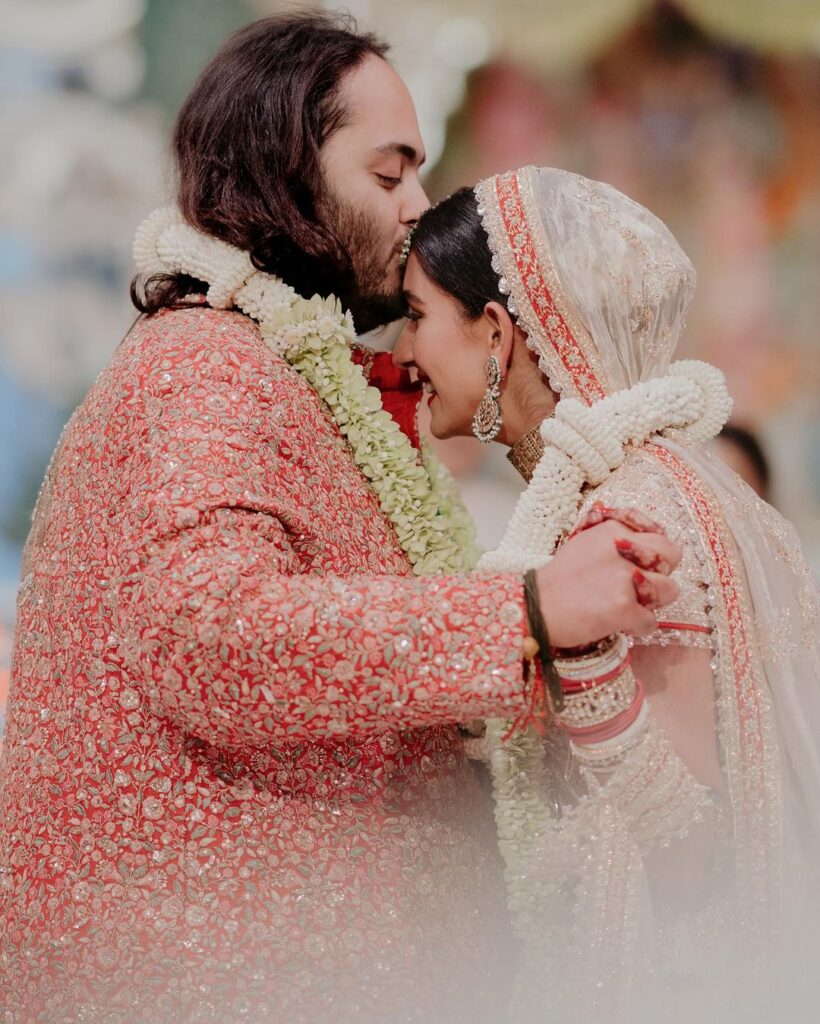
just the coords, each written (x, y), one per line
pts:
(750, 715)
(554, 324)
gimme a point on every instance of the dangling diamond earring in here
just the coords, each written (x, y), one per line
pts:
(487, 419)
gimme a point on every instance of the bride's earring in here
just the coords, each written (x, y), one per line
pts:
(487, 419)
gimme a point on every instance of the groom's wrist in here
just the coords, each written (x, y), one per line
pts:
(542, 656)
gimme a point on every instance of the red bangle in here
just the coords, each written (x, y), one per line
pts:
(579, 685)
(609, 730)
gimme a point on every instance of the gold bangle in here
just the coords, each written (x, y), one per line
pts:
(592, 667)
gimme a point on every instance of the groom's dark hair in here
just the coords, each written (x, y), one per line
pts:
(247, 147)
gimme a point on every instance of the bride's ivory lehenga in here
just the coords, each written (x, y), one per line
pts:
(601, 288)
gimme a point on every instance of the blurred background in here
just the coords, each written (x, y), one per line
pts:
(706, 111)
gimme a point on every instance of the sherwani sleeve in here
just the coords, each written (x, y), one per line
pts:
(230, 637)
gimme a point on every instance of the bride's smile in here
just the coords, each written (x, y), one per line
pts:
(449, 349)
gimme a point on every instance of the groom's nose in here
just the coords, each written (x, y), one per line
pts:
(414, 203)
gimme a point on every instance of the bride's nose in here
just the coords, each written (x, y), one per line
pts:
(403, 351)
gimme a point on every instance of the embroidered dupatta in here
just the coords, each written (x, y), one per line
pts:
(601, 289)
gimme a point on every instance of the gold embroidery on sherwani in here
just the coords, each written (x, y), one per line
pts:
(231, 766)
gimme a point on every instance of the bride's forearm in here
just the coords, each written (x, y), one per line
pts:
(629, 761)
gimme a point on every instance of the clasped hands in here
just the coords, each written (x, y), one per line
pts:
(610, 576)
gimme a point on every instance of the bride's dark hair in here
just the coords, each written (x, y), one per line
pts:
(451, 245)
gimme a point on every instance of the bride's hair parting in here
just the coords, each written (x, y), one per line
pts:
(451, 245)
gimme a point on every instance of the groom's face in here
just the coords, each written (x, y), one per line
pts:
(374, 196)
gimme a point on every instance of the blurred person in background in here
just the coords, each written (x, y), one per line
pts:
(741, 450)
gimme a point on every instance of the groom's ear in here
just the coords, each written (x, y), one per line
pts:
(500, 333)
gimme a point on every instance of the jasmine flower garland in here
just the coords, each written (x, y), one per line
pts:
(415, 493)
(582, 446)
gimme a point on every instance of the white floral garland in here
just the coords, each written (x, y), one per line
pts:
(314, 335)
(582, 445)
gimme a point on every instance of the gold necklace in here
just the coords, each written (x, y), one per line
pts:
(526, 453)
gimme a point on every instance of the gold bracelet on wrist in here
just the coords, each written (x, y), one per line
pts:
(591, 667)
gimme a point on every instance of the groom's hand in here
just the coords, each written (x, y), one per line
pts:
(609, 577)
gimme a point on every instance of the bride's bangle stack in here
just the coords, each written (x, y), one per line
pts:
(595, 695)
(601, 696)
(618, 745)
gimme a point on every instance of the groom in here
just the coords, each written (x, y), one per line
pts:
(234, 785)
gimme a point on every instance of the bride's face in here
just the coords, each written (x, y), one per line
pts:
(448, 351)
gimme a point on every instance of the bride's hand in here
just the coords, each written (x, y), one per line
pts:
(592, 588)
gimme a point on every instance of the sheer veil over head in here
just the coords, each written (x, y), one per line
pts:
(601, 288)
(599, 284)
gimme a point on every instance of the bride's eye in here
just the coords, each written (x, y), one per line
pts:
(411, 314)
(387, 182)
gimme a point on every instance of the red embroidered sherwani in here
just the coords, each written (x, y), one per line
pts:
(232, 786)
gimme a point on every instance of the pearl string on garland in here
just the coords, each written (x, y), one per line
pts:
(583, 444)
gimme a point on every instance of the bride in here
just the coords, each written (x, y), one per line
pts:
(659, 828)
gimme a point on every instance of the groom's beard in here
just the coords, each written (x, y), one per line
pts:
(371, 288)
